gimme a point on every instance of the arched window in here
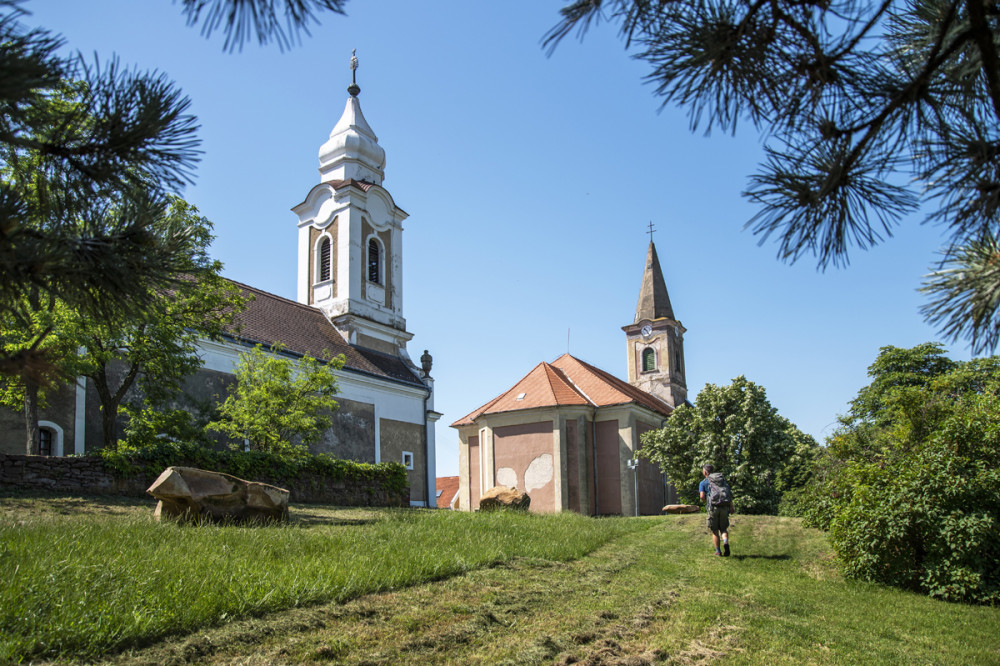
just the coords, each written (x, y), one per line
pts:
(374, 261)
(50, 439)
(677, 361)
(44, 442)
(648, 359)
(323, 259)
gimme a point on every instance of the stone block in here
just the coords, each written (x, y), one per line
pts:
(189, 493)
(502, 497)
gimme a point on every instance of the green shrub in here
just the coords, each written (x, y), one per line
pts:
(928, 524)
(251, 465)
(909, 487)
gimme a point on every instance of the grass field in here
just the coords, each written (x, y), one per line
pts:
(96, 580)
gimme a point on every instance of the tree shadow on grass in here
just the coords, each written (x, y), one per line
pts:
(307, 520)
(760, 557)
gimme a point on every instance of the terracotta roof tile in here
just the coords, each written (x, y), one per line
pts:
(566, 381)
(303, 329)
(447, 487)
(605, 389)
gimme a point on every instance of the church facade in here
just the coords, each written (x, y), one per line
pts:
(349, 301)
(568, 433)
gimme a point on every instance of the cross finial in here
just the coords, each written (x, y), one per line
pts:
(354, 89)
(651, 230)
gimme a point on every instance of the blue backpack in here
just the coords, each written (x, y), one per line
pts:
(719, 493)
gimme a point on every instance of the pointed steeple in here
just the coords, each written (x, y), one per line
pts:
(654, 301)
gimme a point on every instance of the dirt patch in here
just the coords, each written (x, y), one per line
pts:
(718, 642)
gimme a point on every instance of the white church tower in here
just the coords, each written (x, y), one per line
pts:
(351, 237)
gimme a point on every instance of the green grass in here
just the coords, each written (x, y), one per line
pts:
(386, 587)
(84, 585)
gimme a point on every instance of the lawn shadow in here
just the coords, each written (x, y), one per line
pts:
(310, 520)
(761, 557)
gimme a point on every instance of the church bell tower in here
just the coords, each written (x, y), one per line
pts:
(655, 339)
(351, 237)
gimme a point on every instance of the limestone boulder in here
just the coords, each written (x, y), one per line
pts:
(189, 493)
(503, 497)
(681, 508)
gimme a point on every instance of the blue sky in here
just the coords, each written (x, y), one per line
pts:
(530, 182)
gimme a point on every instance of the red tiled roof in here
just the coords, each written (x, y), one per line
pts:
(566, 381)
(303, 329)
(605, 389)
(447, 487)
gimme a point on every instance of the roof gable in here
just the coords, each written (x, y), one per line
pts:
(604, 389)
(566, 381)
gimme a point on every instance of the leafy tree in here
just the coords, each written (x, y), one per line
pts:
(157, 349)
(910, 497)
(277, 403)
(36, 332)
(146, 426)
(796, 475)
(894, 368)
(736, 429)
(870, 110)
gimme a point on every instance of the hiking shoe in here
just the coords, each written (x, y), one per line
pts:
(717, 554)
(725, 550)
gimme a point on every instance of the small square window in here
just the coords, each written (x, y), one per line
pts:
(407, 460)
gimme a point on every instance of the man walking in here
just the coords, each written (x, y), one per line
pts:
(718, 500)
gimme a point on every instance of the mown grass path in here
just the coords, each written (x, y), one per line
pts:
(653, 594)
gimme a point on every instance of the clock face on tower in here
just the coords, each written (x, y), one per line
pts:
(646, 331)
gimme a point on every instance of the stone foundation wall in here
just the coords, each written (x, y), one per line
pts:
(87, 475)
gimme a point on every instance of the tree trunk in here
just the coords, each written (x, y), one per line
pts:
(111, 401)
(109, 427)
(31, 416)
(109, 409)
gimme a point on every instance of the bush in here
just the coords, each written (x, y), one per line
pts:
(250, 465)
(910, 492)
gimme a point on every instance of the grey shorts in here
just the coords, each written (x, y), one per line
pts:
(718, 519)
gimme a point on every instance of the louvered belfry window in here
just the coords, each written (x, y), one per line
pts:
(648, 360)
(324, 259)
(374, 261)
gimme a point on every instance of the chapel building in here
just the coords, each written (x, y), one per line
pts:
(567, 433)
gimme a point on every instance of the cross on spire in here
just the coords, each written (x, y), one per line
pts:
(354, 88)
(651, 230)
